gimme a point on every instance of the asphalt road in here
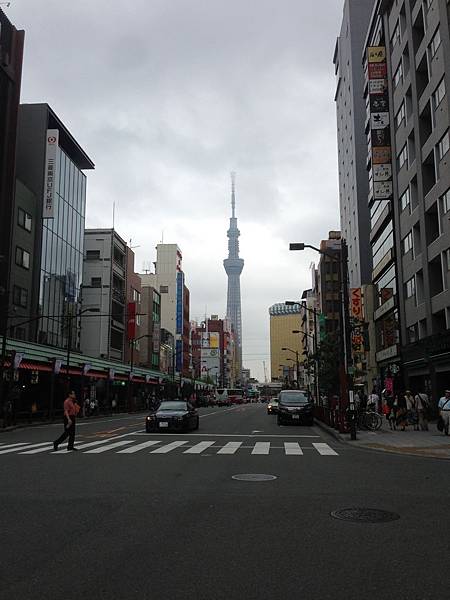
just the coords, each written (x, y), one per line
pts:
(160, 522)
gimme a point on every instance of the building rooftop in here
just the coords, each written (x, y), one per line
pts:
(280, 308)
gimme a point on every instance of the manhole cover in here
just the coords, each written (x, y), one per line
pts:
(254, 477)
(365, 515)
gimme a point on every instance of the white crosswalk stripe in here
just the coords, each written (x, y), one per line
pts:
(198, 448)
(169, 447)
(138, 447)
(324, 449)
(230, 448)
(4, 446)
(292, 448)
(8, 450)
(109, 447)
(38, 450)
(261, 448)
(87, 445)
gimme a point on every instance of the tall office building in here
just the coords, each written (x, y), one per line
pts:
(48, 228)
(169, 281)
(11, 54)
(284, 319)
(408, 46)
(352, 143)
(233, 267)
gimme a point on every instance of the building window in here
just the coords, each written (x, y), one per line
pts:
(136, 296)
(410, 288)
(413, 333)
(92, 254)
(398, 76)
(405, 201)
(96, 282)
(400, 116)
(445, 202)
(407, 243)
(444, 144)
(22, 258)
(163, 289)
(24, 219)
(20, 296)
(402, 158)
(439, 93)
(435, 43)
(396, 37)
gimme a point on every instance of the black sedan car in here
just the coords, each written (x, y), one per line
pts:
(172, 415)
(294, 407)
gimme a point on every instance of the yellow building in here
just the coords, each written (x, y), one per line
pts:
(283, 320)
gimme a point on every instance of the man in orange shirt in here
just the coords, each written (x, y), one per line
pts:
(71, 409)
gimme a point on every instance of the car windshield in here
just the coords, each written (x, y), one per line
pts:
(293, 399)
(173, 405)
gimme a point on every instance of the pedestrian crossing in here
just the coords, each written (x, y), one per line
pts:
(185, 446)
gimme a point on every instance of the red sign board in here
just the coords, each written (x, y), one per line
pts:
(131, 321)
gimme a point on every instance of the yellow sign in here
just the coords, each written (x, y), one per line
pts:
(376, 54)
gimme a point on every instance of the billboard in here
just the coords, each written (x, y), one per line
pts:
(380, 134)
(179, 307)
(131, 321)
(51, 175)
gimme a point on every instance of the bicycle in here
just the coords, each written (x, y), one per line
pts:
(369, 420)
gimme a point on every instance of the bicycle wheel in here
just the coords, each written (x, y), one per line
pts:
(371, 421)
(379, 421)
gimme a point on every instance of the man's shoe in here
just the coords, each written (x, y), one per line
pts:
(55, 447)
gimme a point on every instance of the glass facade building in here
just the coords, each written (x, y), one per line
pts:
(62, 254)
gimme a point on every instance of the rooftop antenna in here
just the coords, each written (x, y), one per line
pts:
(114, 214)
(233, 193)
(133, 247)
(146, 267)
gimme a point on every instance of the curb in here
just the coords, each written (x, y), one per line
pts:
(416, 452)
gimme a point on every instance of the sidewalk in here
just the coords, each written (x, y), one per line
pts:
(430, 443)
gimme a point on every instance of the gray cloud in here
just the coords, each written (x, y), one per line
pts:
(167, 97)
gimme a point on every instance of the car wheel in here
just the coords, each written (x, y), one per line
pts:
(197, 424)
(310, 423)
(279, 422)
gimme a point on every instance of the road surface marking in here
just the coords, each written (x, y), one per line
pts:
(37, 450)
(4, 446)
(28, 446)
(89, 444)
(230, 448)
(324, 449)
(292, 448)
(198, 448)
(261, 448)
(169, 447)
(109, 447)
(230, 435)
(138, 447)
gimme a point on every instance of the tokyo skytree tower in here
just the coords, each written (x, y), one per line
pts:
(233, 267)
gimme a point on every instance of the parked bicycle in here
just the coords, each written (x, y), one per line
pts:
(369, 420)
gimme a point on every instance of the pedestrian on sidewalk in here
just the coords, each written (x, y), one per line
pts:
(411, 410)
(373, 401)
(71, 409)
(401, 412)
(444, 410)
(422, 407)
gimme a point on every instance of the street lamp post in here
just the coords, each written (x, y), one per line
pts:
(345, 328)
(130, 382)
(297, 364)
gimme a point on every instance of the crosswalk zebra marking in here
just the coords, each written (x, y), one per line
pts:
(27, 446)
(261, 448)
(138, 447)
(88, 445)
(37, 450)
(4, 446)
(292, 448)
(169, 447)
(109, 447)
(230, 448)
(198, 448)
(324, 449)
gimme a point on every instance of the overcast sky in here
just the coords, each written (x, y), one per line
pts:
(167, 97)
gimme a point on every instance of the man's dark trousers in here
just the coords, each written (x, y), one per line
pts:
(69, 432)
